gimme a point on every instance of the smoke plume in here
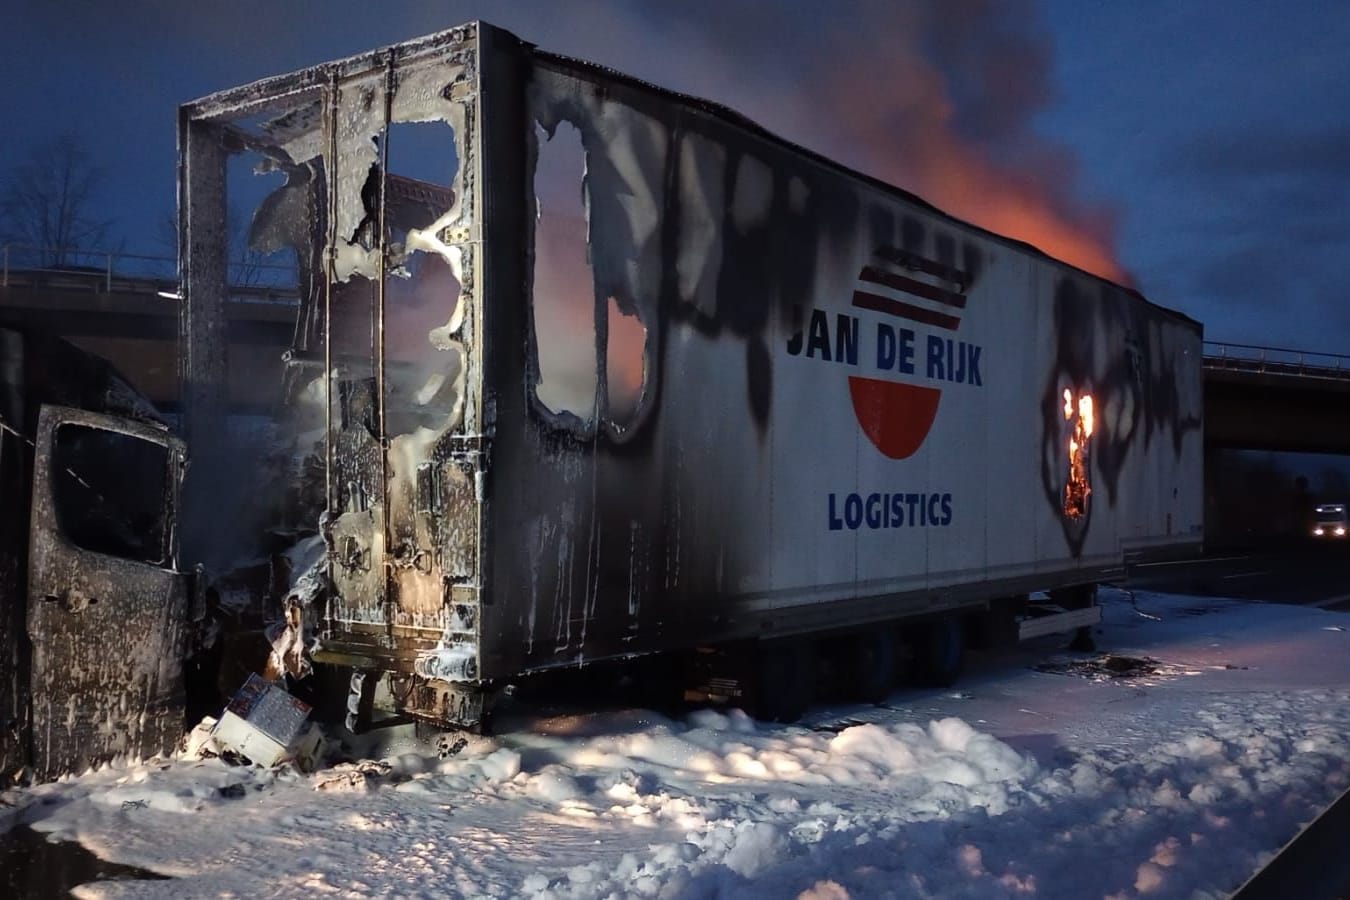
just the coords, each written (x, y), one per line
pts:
(938, 98)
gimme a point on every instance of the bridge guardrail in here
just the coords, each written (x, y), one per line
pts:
(1275, 360)
(108, 271)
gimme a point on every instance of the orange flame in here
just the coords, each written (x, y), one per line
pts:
(1077, 490)
(927, 154)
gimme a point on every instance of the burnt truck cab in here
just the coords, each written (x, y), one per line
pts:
(94, 613)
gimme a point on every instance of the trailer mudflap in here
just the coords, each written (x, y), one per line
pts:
(107, 613)
(1055, 622)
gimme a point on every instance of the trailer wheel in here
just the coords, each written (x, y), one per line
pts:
(785, 679)
(873, 665)
(939, 648)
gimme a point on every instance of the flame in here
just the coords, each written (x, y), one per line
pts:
(897, 114)
(991, 199)
(1077, 490)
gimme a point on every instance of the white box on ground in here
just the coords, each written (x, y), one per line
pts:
(267, 725)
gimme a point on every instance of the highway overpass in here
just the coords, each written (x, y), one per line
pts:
(1256, 398)
(1263, 398)
(132, 321)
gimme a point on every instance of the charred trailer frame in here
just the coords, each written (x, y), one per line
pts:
(715, 389)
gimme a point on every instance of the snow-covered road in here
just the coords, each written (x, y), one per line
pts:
(1177, 781)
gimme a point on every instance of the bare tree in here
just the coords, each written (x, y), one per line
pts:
(244, 265)
(49, 202)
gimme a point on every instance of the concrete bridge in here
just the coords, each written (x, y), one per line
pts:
(1267, 398)
(125, 308)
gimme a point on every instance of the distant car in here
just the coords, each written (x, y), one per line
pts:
(1330, 521)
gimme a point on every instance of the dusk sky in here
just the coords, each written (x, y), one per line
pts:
(1200, 151)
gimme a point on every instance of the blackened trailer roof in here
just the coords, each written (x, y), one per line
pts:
(259, 95)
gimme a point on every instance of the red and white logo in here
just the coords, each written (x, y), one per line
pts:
(897, 417)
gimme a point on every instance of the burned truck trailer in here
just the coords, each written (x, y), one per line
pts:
(590, 369)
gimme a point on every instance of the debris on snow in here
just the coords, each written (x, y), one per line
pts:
(1111, 667)
(267, 726)
(353, 777)
(1178, 790)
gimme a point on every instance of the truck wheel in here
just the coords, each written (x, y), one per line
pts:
(873, 666)
(785, 679)
(939, 651)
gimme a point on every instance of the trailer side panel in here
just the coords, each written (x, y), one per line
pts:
(849, 406)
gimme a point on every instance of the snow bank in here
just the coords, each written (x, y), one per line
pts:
(1025, 783)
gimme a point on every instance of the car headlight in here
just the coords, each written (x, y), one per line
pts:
(1340, 531)
(1318, 531)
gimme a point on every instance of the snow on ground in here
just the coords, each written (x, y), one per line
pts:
(1021, 783)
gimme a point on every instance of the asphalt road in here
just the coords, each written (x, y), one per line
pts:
(1307, 574)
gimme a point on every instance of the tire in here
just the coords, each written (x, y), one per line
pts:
(872, 666)
(785, 679)
(939, 648)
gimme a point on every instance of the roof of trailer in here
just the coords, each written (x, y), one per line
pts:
(279, 86)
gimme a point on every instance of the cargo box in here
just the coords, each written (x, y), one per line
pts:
(593, 369)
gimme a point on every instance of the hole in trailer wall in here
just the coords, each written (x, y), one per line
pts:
(422, 290)
(258, 266)
(564, 303)
(1081, 419)
(625, 365)
(262, 216)
(564, 287)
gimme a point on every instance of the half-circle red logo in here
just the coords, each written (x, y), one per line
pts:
(897, 417)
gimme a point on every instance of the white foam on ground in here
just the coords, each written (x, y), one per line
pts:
(1023, 783)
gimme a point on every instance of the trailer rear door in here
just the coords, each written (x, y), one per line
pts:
(107, 610)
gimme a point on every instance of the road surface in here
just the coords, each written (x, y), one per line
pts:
(1314, 575)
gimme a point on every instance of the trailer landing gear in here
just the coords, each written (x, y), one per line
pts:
(785, 679)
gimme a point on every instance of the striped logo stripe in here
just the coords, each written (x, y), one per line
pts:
(901, 284)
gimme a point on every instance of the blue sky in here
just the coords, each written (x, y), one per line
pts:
(1204, 146)
(1220, 132)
